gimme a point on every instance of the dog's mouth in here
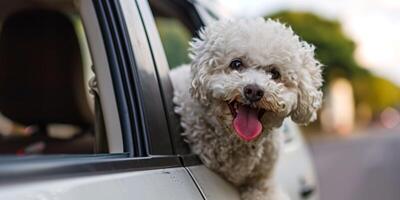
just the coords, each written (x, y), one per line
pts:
(246, 120)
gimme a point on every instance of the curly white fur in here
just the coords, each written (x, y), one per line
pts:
(202, 90)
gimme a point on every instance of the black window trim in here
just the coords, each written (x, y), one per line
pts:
(117, 67)
(155, 122)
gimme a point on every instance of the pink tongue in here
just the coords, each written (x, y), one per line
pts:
(246, 123)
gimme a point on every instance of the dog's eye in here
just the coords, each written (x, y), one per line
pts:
(236, 64)
(275, 74)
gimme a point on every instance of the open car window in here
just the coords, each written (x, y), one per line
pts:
(46, 106)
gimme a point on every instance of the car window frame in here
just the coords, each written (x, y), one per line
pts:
(156, 124)
(102, 73)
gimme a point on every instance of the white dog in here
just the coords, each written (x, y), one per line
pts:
(245, 78)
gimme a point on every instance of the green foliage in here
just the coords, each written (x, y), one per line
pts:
(175, 39)
(376, 91)
(335, 50)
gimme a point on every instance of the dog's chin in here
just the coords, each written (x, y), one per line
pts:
(246, 121)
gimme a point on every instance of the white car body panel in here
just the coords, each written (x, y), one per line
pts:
(166, 184)
(294, 170)
(212, 185)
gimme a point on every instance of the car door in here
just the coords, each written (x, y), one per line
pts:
(138, 160)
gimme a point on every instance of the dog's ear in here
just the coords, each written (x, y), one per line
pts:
(309, 97)
(197, 89)
(202, 59)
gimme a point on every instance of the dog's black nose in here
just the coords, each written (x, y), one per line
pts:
(253, 93)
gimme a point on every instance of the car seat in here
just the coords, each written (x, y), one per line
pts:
(41, 80)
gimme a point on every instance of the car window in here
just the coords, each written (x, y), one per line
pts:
(46, 105)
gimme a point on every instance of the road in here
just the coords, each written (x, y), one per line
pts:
(359, 168)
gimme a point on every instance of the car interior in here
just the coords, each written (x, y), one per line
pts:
(43, 80)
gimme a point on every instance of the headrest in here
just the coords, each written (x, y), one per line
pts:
(41, 75)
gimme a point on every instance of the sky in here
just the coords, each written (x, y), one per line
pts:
(373, 24)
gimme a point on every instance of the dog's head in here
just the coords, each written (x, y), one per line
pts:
(253, 73)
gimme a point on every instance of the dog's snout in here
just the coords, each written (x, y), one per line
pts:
(253, 93)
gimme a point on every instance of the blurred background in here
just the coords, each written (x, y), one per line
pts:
(356, 139)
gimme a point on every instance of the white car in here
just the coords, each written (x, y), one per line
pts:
(120, 139)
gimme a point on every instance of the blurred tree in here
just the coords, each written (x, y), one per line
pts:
(378, 92)
(335, 50)
(175, 39)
